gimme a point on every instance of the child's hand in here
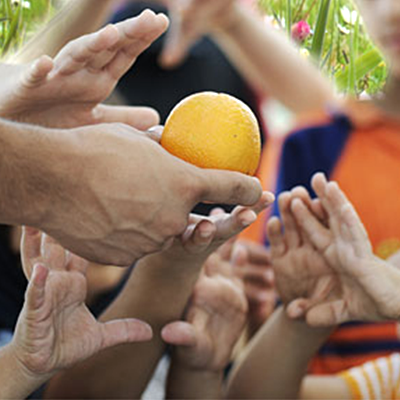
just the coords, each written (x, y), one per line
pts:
(215, 319)
(367, 287)
(300, 270)
(189, 21)
(252, 264)
(55, 329)
(205, 234)
(67, 92)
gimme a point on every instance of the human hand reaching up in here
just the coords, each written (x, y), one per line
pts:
(300, 270)
(366, 287)
(55, 328)
(68, 91)
(204, 342)
(190, 20)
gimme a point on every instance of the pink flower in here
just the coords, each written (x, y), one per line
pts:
(300, 31)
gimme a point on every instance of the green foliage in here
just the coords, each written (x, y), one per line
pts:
(339, 43)
(18, 19)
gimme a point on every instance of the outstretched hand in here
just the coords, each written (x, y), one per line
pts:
(55, 329)
(366, 287)
(215, 318)
(204, 235)
(190, 20)
(68, 91)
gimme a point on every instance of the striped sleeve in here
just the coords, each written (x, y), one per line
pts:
(378, 379)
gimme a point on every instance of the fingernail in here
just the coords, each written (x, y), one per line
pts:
(205, 234)
(249, 218)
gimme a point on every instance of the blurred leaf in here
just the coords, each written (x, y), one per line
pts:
(320, 29)
(362, 66)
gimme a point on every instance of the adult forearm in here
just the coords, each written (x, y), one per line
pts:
(28, 172)
(293, 343)
(186, 383)
(156, 293)
(76, 18)
(271, 64)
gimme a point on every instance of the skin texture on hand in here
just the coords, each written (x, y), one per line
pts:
(214, 321)
(300, 270)
(170, 275)
(204, 342)
(55, 329)
(121, 223)
(68, 91)
(366, 287)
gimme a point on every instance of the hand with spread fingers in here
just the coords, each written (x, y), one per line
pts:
(365, 286)
(204, 342)
(55, 329)
(68, 91)
(300, 270)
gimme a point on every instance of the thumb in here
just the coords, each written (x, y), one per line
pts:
(179, 334)
(226, 187)
(122, 331)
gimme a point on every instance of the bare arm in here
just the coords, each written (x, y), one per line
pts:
(271, 64)
(264, 56)
(291, 344)
(125, 371)
(15, 382)
(28, 166)
(76, 18)
(158, 290)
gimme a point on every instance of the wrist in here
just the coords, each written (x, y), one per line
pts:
(189, 383)
(228, 19)
(16, 380)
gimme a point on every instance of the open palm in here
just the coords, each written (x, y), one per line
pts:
(55, 329)
(366, 287)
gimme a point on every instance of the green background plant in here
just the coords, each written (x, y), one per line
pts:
(338, 43)
(18, 19)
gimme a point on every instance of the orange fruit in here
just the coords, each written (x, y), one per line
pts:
(212, 130)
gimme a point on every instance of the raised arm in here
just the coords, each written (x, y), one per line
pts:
(264, 56)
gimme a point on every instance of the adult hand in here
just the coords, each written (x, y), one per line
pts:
(68, 91)
(114, 195)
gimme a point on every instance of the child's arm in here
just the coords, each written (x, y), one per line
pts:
(275, 362)
(204, 344)
(158, 291)
(55, 329)
(263, 55)
(366, 287)
(68, 91)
